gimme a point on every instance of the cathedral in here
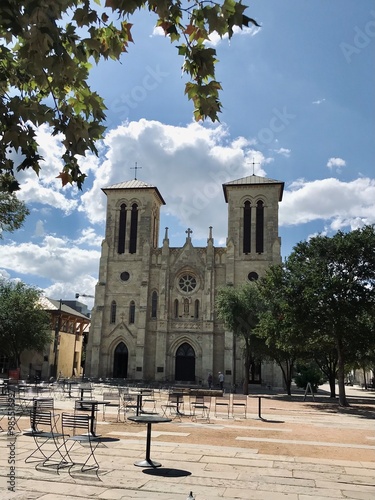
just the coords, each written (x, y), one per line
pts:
(154, 317)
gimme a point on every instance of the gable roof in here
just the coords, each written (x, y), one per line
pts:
(133, 184)
(252, 180)
(54, 305)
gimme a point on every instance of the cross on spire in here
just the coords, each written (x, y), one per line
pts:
(253, 164)
(188, 231)
(135, 168)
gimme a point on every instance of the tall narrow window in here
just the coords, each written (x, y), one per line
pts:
(186, 307)
(122, 229)
(247, 227)
(259, 239)
(155, 233)
(113, 311)
(176, 308)
(154, 305)
(133, 229)
(196, 309)
(132, 312)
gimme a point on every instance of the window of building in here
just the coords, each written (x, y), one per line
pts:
(187, 283)
(132, 312)
(186, 307)
(124, 276)
(253, 276)
(113, 312)
(247, 227)
(122, 229)
(154, 305)
(133, 229)
(176, 308)
(196, 309)
(259, 238)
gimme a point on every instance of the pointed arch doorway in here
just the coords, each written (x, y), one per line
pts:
(120, 361)
(185, 363)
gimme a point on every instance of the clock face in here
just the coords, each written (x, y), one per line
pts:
(187, 283)
(124, 276)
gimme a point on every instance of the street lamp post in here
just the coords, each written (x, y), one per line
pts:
(56, 342)
(85, 335)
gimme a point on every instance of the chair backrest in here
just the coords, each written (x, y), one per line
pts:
(44, 403)
(111, 397)
(75, 421)
(41, 420)
(4, 401)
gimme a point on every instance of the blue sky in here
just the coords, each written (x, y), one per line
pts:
(298, 99)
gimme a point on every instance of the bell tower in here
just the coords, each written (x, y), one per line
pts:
(122, 292)
(253, 242)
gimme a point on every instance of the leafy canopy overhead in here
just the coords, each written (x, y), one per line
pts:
(46, 51)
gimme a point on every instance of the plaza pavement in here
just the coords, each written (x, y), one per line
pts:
(214, 471)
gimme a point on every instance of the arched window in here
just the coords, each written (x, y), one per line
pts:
(176, 308)
(113, 312)
(247, 227)
(122, 229)
(154, 305)
(186, 307)
(133, 229)
(132, 312)
(185, 350)
(196, 309)
(259, 238)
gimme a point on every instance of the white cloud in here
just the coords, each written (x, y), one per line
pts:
(339, 204)
(215, 38)
(336, 163)
(173, 158)
(318, 101)
(55, 259)
(283, 151)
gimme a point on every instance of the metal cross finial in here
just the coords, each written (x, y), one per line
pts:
(254, 163)
(188, 232)
(135, 168)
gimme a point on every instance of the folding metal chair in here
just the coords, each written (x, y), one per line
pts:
(239, 402)
(223, 403)
(148, 401)
(43, 429)
(10, 407)
(174, 406)
(200, 407)
(113, 400)
(128, 402)
(76, 431)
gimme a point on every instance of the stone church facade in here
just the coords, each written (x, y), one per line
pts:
(154, 316)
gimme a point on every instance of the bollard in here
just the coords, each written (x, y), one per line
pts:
(259, 407)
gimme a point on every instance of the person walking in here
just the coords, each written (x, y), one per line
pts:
(221, 380)
(209, 380)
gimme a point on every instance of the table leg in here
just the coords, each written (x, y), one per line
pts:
(92, 423)
(148, 462)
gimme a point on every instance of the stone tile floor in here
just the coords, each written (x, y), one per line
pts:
(292, 454)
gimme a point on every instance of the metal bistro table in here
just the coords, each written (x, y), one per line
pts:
(92, 406)
(149, 420)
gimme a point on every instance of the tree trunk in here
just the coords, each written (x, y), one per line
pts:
(341, 374)
(245, 388)
(364, 379)
(287, 375)
(332, 384)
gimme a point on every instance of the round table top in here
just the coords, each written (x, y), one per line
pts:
(92, 401)
(150, 419)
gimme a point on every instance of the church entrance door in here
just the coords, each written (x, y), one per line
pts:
(185, 363)
(120, 361)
